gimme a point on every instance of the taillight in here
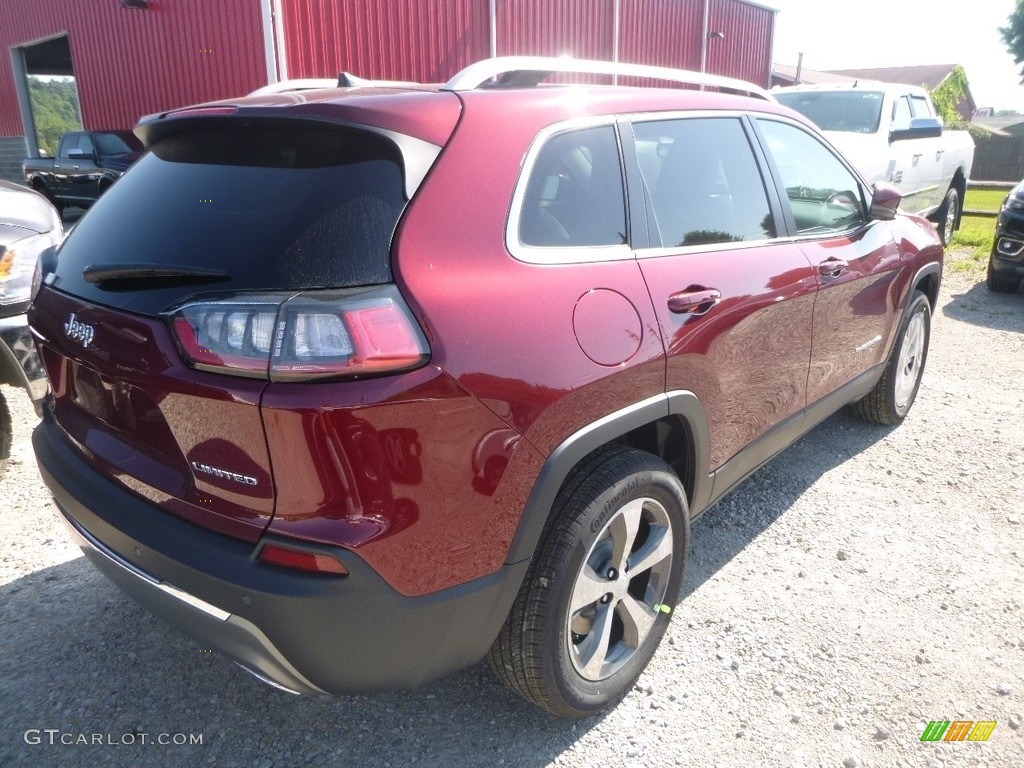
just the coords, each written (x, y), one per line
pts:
(308, 336)
(300, 560)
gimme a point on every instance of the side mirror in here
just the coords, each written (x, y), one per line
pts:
(885, 199)
(80, 154)
(920, 128)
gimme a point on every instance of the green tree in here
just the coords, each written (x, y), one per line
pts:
(55, 110)
(1013, 35)
(948, 94)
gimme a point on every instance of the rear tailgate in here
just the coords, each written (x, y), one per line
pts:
(191, 443)
(245, 209)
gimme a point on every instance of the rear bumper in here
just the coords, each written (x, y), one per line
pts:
(305, 633)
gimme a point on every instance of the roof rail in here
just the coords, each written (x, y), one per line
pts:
(344, 80)
(531, 70)
(285, 86)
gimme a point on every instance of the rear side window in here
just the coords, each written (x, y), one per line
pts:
(276, 208)
(703, 182)
(919, 106)
(67, 144)
(901, 114)
(575, 195)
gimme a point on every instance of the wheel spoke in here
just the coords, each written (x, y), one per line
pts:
(593, 651)
(590, 587)
(637, 620)
(655, 550)
(622, 529)
(914, 340)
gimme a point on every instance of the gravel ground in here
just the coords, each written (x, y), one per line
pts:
(866, 581)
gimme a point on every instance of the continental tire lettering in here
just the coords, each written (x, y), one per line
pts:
(613, 503)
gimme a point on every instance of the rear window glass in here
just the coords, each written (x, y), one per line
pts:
(120, 143)
(276, 208)
(853, 111)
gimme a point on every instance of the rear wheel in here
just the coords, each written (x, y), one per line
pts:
(999, 284)
(43, 190)
(601, 589)
(947, 216)
(890, 400)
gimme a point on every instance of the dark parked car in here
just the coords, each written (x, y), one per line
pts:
(385, 381)
(28, 226)
(1006, 264)
(86, 165)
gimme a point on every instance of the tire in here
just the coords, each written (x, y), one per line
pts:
(5, 433)
(947, 216)
(43, 190)
(998, 284)
(894, 394)
(572, 655)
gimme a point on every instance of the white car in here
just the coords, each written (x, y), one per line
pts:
(28, 226)
(892, 134)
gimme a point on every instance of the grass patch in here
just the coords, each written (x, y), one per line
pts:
(972, 244)
(984, 199)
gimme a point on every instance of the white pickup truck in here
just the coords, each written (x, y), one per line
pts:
(891, 133)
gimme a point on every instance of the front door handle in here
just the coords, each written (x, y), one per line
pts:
(832, 267)
(694, 302)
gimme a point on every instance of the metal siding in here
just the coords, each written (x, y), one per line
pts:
(665, 33)
(584, 29)
(129, 63)
(745, 52)
(421, 40)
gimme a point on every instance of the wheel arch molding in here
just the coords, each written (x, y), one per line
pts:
(670, 425)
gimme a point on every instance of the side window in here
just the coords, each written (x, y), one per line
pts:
(919, 106)
(823, 194)
(85, 144)
(67, 144)
(703, 181)
(901, 114)
(575, 196)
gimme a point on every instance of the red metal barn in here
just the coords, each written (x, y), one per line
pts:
(134, 57)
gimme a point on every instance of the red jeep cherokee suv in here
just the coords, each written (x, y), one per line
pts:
(359, 385)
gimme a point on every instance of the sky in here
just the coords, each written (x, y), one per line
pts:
(896, 33)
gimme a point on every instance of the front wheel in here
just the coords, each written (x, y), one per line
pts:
(947, 216)
(997, 283)
(890, 400)
(601, 589)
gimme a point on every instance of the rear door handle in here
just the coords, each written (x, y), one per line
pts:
(832, 267)
(695, 302)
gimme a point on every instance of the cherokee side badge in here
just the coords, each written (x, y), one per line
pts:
(79, 331)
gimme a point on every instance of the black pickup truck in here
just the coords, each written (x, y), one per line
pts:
(87, 163)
